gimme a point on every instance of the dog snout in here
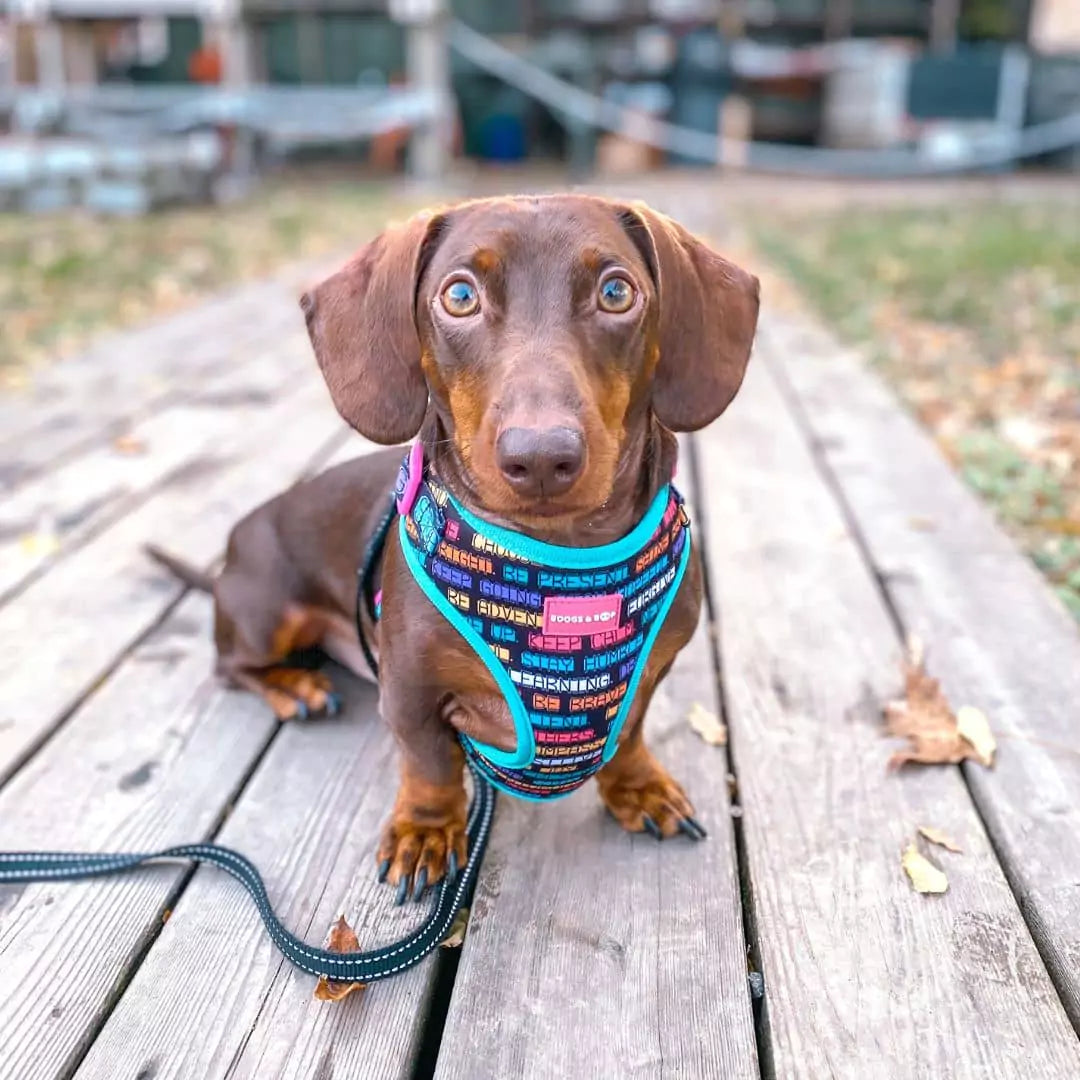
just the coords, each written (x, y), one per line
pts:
(540, 462)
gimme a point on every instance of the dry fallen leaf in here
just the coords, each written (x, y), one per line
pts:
(924, 875)
(707, 725)
(129, 444)
(975, 729)
(1061, 526)
(936, 836)
(924, 718)
(456, 937)
(342, 939)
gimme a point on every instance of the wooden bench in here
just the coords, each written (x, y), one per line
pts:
(590, 953)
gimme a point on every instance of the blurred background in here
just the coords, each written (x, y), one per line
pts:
(906, 170)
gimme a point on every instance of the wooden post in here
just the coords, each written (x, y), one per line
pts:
(49, 50)
(944, 15)
(839, 16)
(428, 69)
(309, 46)
(223, 26)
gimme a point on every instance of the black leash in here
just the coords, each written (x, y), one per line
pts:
(366, 966)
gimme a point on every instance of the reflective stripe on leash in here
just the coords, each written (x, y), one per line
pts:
(365, 967)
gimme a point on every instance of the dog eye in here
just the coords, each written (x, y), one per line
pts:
(616, 295)
(459, 299)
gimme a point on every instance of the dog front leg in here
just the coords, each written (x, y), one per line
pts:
(425, 838)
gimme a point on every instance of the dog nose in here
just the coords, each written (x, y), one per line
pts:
(540, 461)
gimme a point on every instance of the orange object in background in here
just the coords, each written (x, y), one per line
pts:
(204, 65)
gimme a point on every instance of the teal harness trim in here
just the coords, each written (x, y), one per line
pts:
(453, 892)
(570, 558)
(565, 633)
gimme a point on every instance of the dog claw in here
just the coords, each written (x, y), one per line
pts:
(652, 828)
(333, 704)
(302, 711)
(452, 867)
(687, 828)
(384, 869)
(402, 891)
(421, 885)
(695, 824)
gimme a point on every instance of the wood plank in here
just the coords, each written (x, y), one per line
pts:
(63, 633)
(152, 759)
(55, 512)
(997, 637)
(155, 757)
(863, 976)
(592, 952)
(128, 375)
(213, 997)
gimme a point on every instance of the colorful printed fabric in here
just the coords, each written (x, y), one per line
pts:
(565, 632)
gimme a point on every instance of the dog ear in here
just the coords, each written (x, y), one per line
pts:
(708, 315)
(362, 325)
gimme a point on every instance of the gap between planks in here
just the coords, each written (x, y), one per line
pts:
(862, 975)
(132, 374)
(579, 928)
(111, 779)
(44, 520)
(996, 636)
(66, 632)
(214, 998)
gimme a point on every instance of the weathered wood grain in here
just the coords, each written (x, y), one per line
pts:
(152, 759)
(213, 997)
(62, 508)
(65, 630)
(594, 953)
(996, 636)
(130, 374)
(863, 976)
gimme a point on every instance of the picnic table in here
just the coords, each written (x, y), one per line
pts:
(831, 527)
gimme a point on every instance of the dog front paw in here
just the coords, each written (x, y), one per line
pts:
(649, 800)
(415, 854)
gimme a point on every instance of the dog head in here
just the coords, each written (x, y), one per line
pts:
(543, 333)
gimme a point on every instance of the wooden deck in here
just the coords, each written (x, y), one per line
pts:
(831, 528)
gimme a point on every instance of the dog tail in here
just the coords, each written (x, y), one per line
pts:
(190, 575)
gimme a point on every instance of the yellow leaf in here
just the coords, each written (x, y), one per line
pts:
(925, 877)
(707, 725)
(936, 836)
(39, 544)
(974, 728)
(456, 937)
(342, 939)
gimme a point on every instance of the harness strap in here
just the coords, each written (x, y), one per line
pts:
(365, 594)
(365, 967)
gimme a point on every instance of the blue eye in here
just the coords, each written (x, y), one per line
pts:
(459, 298)
(617, 295)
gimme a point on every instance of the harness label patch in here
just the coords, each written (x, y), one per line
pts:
(574, 614)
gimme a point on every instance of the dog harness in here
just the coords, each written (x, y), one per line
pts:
(565, 632)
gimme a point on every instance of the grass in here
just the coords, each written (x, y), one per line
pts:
(972, 312)
(67, 278)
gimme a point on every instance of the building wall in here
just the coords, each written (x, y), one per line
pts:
(1055, 26)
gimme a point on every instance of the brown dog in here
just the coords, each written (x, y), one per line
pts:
(544, 349)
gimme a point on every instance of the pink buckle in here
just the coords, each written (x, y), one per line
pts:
(416, 476)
